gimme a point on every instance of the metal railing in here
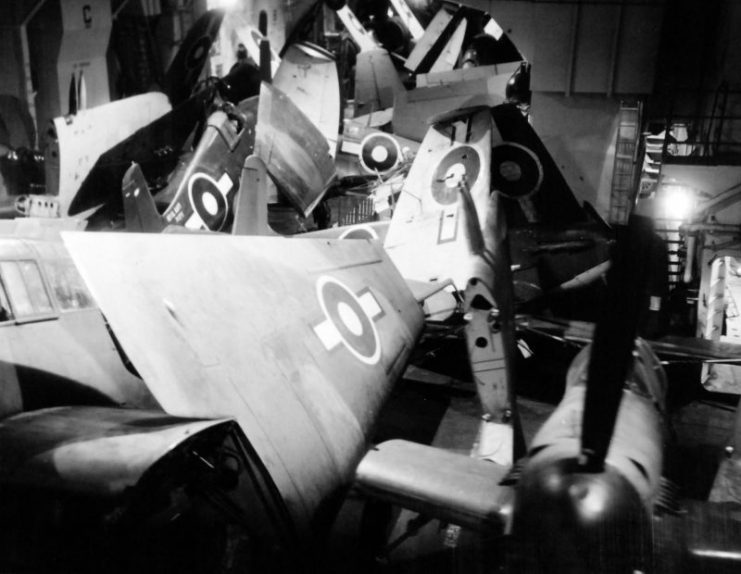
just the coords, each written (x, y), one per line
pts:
(713, 138)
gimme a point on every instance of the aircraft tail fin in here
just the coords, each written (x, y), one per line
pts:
(531, 185)
(182, 75)
(140, 212)
(251, 205)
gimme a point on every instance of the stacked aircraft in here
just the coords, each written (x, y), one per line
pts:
(216, 413)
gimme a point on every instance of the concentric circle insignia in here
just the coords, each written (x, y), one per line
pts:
(459, 163)
(349, 320)
(208, 199)
(516, 172)
(379, 153)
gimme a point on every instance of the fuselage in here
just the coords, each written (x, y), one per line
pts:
(571, 519)
(55, 347)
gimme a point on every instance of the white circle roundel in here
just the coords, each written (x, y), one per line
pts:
(349, 319)
(208, 201)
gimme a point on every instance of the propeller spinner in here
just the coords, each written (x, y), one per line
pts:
(584, 501)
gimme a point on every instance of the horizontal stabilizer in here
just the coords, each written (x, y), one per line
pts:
(437, 483)
(414, 108)
(436, 36)
(362, 38)
(422, 290)
(90, 450)
(407, 16)
(672, 348)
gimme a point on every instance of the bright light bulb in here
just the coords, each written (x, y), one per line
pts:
(678, 201)
(222, 4)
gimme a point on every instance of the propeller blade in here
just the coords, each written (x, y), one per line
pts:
(614, 337)
(266, 71)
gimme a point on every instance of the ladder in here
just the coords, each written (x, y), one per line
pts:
(622, 194)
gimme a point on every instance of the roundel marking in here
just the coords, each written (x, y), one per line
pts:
(359, 232)
(208, 199)
(458, 164)
(516, 172)
(379, 153)
(349, 320)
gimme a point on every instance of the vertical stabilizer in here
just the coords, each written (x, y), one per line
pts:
(251, 204)
(140, 211)
(531, 185)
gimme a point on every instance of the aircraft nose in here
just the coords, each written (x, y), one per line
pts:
(568, 520)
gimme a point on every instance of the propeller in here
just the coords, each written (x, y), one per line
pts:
(574, 513)
(612, 347)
